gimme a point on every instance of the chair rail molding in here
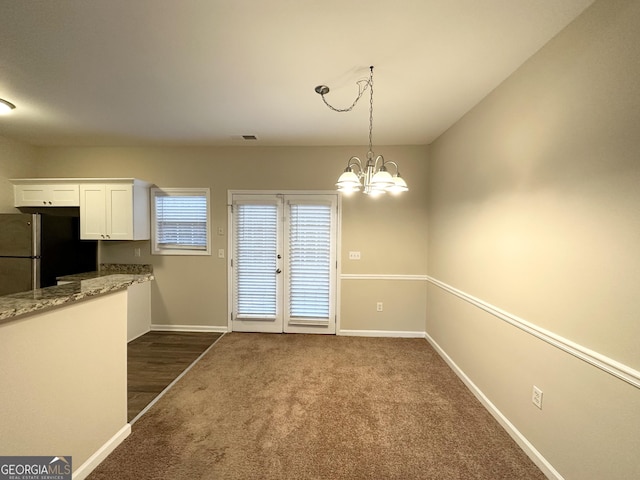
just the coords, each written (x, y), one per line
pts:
(383, 276)
(604, 363)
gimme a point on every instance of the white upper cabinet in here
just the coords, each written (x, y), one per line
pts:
(117, 209)
(54, 194)
(110, 208)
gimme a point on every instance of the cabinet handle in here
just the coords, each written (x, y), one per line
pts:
(50, 202)
(44, 202)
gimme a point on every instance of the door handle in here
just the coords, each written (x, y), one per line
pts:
(278, 271)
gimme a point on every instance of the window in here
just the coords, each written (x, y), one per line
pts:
(180, 221)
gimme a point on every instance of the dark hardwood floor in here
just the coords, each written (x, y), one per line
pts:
(155, 359)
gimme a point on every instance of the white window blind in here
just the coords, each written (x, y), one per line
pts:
(255, 260)
(309, 257)
(180, 221)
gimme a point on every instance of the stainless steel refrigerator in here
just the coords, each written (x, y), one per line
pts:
(35, 249)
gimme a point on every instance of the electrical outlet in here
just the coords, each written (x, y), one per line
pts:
(136, 252)
(379, 307)
(221, 253)
(220, 230)
(536, 397)
(354, 255)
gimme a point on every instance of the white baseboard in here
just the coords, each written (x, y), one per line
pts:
(519, 438)
(381, 333)
(94, 460)
(137, 336)
(188, 328)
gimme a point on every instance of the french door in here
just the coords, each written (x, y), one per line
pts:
(283, 263)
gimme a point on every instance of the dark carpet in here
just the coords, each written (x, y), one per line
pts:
(265, 406)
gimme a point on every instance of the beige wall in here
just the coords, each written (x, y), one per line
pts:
(534, 207)
(64, 379)
(16, 160)
(389, 232)
(404, 306)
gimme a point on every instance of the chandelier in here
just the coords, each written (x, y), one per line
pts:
(373, 177)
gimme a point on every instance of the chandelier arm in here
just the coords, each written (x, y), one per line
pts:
(390, 162)
(357, 163)
(382, 162)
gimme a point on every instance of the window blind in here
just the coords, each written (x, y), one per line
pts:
(309, 255)
(256, 243)
(181, 221)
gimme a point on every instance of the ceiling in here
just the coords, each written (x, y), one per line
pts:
(206, 72)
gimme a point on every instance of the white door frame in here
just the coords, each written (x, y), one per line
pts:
(230, 194)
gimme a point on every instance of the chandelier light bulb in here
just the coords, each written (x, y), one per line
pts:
(382, 179)
(348, 181)
(399, 185)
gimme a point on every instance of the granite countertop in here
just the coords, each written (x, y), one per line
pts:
(107, 269)
(110, 278)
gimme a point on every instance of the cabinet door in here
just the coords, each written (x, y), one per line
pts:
(30, 195)
(64, 195)
(119, 211)
(46, 195)
(93, 224)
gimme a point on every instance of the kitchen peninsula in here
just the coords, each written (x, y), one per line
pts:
(63, 367)
(110, 278)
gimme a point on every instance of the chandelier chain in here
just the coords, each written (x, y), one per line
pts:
(370, 152)
(362, 87)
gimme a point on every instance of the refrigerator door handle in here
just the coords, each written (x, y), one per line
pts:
(35, 272)
(36, 229)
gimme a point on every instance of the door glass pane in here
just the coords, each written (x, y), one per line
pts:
(309, 252)
(255, 260)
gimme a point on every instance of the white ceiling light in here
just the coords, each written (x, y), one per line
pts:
(6, 106)
(377, 180)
